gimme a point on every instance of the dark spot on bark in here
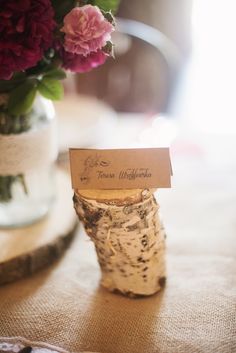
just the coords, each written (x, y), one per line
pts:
(131, 228)
(140, 259)
(145, 268)
(144, 276)
(162, 281)
(142, 213)
(93, 217)
(144, 242)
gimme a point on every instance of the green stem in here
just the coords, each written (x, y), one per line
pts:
(6, 185)
(21, 179)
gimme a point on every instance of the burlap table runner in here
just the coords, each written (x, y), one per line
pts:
(195, 313)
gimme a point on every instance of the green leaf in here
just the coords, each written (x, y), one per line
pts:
(107, 5)
(7, 85)
(109, 49)
(50, 88)
(109, 17)
(21, 98)
(57, 74)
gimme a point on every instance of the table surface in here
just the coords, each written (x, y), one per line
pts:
(196, 312)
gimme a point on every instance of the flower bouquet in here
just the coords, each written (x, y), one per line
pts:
(39, 41)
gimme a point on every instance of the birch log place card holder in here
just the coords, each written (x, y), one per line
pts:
(114, 199)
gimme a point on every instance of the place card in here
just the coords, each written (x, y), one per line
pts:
(120, 168)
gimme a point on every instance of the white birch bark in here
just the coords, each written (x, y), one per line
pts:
(128, 236)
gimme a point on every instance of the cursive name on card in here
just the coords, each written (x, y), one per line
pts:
(120, 168)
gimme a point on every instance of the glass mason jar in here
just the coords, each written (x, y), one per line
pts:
(28, 150)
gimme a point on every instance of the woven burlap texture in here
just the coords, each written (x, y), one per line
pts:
(195, 313)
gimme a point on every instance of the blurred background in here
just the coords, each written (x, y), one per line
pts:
(171, 84)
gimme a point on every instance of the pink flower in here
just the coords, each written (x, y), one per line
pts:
(26, 31)
(80, 63)
(86, 30)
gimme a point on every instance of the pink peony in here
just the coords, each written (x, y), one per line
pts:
(80, 63)
(86, 30)
(26, 30)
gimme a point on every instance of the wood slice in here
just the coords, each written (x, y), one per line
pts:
(117, 197)
(28, 249)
